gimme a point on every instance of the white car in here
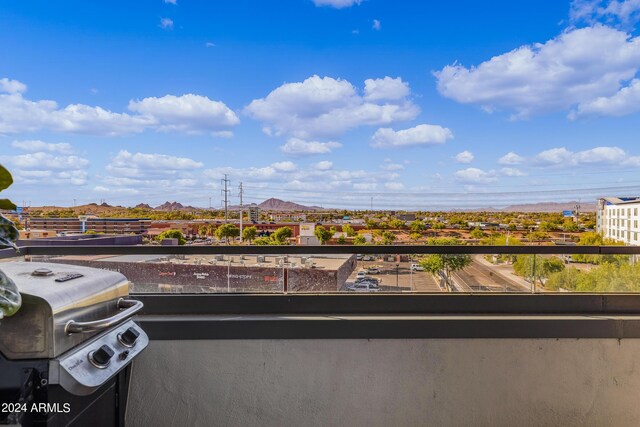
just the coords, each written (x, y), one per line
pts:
(361, 275)
(364, 286)
(373, 270)
(417, 267)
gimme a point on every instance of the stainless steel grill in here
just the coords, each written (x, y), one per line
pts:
(73, 336)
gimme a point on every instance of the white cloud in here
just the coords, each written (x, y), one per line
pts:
(166, 23)
(621, 13)
(149, 173)
(324, 107)
(465, 157)
(42, 161)
(140, 164)
(299, 147)
(389, 166)
(625, 101)
(187, 113)
(209, 44)
(37, 145)
(338, 4)
(386, 88)
(285, 166)
(577, 67)
(79, 118)
(419, 135)
(12, 86)
(394, 186)
(475, 176)
(323, 165)
(47, 169)
(513, 172)
(511, 158)
(173, 2)
(376, 25)
(599, 155)
(319, 176)
(111, 190)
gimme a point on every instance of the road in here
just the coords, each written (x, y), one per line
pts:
(479, 278)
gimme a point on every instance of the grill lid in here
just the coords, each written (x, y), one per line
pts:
(53, 294)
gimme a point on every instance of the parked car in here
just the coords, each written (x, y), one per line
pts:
(359, 257)
(364, 286)
(361, 275)
(373, 270)
(417, 267)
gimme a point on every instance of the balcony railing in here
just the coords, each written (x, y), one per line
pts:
(356, 269)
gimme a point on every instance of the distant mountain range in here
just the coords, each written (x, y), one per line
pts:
(538, 207)
(278, 205)
(268, 205)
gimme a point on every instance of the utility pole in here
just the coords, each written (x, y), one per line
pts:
(240, 193)
(578, 212)
(371, 202)
(225, 192)
(209, 203)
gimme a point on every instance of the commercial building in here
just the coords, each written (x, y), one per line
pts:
(254, 213)
(99, 225)
(219, 273)
(617, 218)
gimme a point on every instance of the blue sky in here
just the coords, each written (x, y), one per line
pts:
(420, 105)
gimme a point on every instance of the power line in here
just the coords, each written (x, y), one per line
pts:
(241, 213)
(225, 192)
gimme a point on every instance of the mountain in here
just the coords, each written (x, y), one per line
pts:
(143, 206)
(538, 207)
(273, 204)
(174, 206)
(550, 207)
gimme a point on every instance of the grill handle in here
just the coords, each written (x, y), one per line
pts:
(131, 307)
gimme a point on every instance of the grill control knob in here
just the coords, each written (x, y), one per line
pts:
(129, 337)
(101, 357)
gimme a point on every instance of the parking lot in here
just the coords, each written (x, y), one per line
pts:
(395, 276)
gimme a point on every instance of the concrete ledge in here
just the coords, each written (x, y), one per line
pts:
(224, 327)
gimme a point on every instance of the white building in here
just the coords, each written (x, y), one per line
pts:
(617, 218)
(307, 234)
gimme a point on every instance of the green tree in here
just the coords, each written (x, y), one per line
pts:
(446, 263)
(347, 228)
(396, 224)
(342, 240)
(359, 240)
(227, 231)
(476, 233)
(438, 226)
(417, 226)
(608, 277)
(322, 234)
(172, 234)
(281, 235)
(415, 236)
(570, 226)
(388, 238)
(249, 233)
(591, 238)
(262, 241)
(547, 226)
(537, 267)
